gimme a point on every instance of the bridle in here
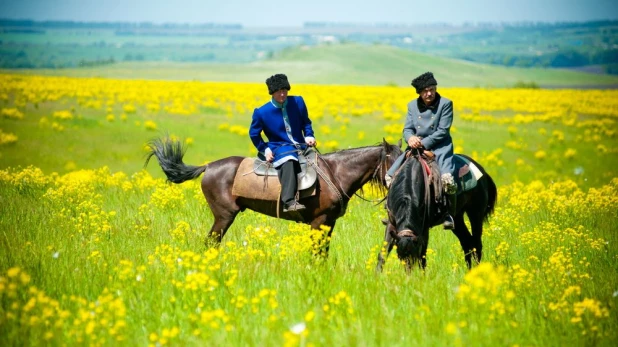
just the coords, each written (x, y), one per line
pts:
(377, 172)
(338, 187)
(427, 181)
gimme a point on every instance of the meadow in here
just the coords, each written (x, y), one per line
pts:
(97, 250)
(344, 64)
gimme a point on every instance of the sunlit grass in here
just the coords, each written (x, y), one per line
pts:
(96, 251)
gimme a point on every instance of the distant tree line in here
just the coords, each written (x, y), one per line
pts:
(21, 60)
(13, 23)
(560, 59)
(97, 62)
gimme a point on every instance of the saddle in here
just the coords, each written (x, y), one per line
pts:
(468, 173)
(257, 179)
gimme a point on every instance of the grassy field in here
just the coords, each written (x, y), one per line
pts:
(346, 64)
(96, 251)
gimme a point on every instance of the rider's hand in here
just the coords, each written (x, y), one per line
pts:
(415, 142)
(269, 156)
(310, 142)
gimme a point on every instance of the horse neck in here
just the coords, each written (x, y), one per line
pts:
(406, 198)
(353, 168)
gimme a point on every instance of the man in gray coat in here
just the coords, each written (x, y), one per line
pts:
(428, 126)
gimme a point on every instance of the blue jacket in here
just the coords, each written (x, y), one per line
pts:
(433, 124)
(269, 119)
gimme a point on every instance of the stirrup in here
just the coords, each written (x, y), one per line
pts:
(449, 223)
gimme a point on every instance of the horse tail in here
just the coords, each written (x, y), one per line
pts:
(169, 153)
(492, 197)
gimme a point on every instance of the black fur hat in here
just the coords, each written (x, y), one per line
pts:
(423, 81)
(276, 82)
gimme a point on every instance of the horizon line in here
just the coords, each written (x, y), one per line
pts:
(312, 24)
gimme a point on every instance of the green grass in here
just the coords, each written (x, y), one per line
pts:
(98, 236)
(91, 142)
(347, 64)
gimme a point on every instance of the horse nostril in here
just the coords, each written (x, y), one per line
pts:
(407, 233)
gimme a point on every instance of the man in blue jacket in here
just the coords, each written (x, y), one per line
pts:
(285, 122)
(428, 126)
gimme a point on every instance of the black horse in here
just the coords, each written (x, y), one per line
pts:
(413, 209)
(344, 173)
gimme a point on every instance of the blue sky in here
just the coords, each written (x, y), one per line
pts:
(253, 13)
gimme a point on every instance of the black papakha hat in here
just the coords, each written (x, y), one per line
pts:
(276, 82)
(423, 81)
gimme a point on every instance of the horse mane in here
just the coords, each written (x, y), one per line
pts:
(377, 177)
(406, 197)
(345, 150)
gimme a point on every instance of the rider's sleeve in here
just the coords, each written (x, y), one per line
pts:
(304, 115)
(255, 132)
(444, 127)
(408, 129)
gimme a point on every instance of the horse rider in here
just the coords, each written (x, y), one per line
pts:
(285, 122)
(428, 126)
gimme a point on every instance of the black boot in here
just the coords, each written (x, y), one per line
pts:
(449, 219)
(288, 175)
(294, 206)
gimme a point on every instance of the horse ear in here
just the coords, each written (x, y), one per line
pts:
(399, 143)
(393, 232)
(386, 145)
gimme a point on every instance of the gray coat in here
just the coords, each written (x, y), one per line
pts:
(433, 125)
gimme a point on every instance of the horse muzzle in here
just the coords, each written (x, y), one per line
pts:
(398, 235)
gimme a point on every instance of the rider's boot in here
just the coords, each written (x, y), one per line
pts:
(449, 221)
(450, 192)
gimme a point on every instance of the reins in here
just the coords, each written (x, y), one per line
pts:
(378, 170)
(339, 191)
(330, 183)
(426, 180)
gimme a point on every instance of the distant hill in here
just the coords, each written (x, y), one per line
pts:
(347, 64)
(591, 46)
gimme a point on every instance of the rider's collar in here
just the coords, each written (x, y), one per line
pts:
(278, 105)
(422, 107)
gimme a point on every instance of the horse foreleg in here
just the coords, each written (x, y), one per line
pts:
(324, 243)
(465, 239)
(389, 242)
(423, 261)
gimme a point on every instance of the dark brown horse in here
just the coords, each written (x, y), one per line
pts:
(413, 209)
(346, 172)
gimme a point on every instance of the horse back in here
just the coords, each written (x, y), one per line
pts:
(486, 186)
(220, 173)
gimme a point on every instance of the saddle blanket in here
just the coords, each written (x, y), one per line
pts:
(249, 185)
(468, 173)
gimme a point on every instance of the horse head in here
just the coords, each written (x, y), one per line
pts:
(408, 241)
(390, 153)
(408, 220)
